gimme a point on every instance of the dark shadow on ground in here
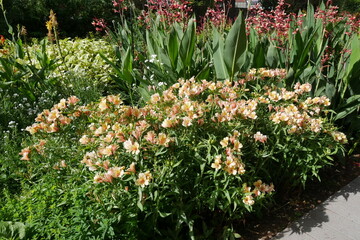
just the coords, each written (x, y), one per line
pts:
(347, 199)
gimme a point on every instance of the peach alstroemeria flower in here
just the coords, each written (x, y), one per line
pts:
(25, 154)
(131, 147)
(259, 137)
(144, 179)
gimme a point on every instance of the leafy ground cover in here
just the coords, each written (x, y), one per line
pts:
(168, 128)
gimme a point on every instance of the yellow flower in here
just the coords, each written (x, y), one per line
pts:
(258, 183)
(103, 105)
(116, 172)
(167, 123)
(237, 145)
(49, 26)
(258, 136)
(131, 169)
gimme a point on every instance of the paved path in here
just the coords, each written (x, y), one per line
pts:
(338, 218)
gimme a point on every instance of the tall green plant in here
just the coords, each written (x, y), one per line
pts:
(229, 55)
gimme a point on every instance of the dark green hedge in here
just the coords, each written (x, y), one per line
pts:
(74, 16)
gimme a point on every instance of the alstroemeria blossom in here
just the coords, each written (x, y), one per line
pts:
(131, 147)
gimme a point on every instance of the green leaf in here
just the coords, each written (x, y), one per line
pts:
(351, 105)
(173, 48)
(310, 19)
(259, 56)
(144, 92)
(272, 56)
(12, 230)
(204, 73)
(150, 44)
(127, 61)
(187, 45)
(139, 202)
(164, 215)
(352, 71)
(218, 56)
(330, 90)
(236, 235)
(235, 46)
(227, 195)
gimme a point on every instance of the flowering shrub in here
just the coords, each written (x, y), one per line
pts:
(278, 21)
(275, 20)
(197, 149)
(169, 11)
(217, 16)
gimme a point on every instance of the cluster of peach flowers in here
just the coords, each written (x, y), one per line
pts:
(119, 135)
(259, 189)
(112, 172)
(339, 137)
(298, 115)
(259, 137)
(232, 163)
(49, 121)
(279, 73)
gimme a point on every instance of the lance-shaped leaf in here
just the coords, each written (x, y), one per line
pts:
(187, 44)
(173, 48)
(235, 46)
(218, 56)
(352, 71)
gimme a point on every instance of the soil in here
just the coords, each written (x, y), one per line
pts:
(289, 210)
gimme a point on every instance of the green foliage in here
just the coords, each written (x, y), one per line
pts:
(185, 165)
(235, 46)
(180, 159)
(10, 230)
(321, 48)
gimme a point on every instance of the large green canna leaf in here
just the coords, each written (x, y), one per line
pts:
(310, 19)
(235, 46)
(352, 74)
(173, 48)
(187, 45)
(218, 56)
(259, 55)
(272, 57)
(127, 61)
(150, 43)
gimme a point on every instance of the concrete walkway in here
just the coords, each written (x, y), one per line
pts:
(338, 218)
